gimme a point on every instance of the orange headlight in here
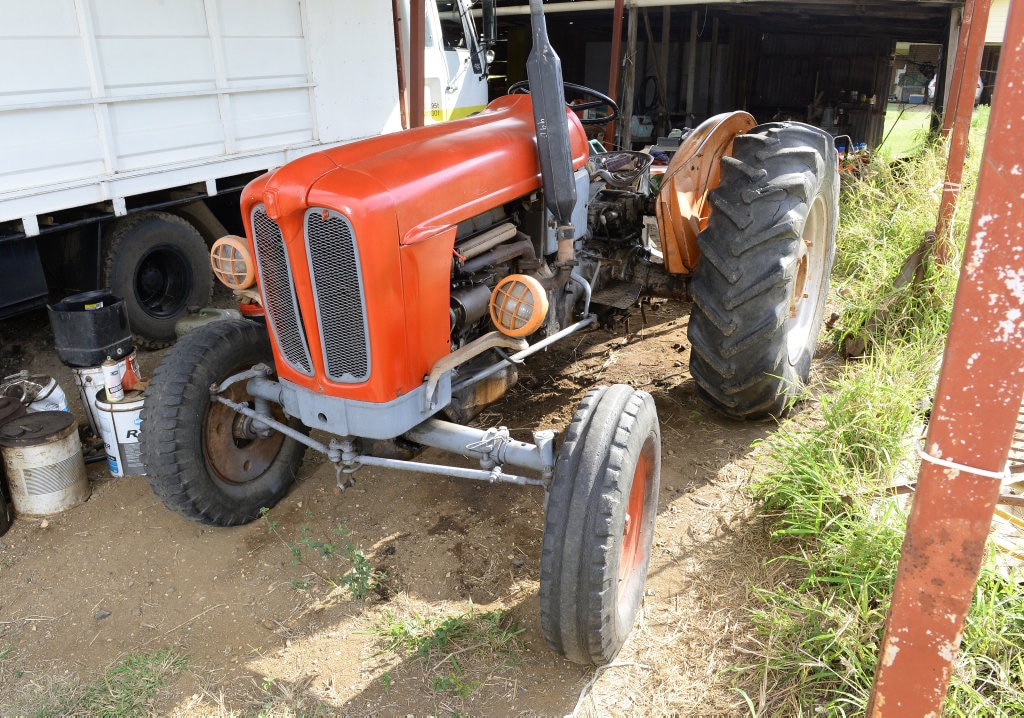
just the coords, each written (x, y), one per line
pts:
(519, 305)
(232, 263)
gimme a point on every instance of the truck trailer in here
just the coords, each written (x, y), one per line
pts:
(129, 127)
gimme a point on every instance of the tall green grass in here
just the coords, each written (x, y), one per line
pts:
(883, 218)
(905, 130)
(834, 524)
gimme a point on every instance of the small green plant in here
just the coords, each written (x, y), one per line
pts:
(453, 682)
(267, 684)
(360, 578)
(386, 681)
(485, 643)
(126, 689)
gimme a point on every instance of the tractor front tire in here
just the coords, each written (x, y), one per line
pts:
(760, 286)
(199, 458)
(599, 524)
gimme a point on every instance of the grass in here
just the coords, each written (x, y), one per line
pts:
(905, 131)
(459, 651)
(836, 531)
(884, 216)
(127, 689)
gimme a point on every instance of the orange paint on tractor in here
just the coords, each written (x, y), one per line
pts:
(682, 206)
(387, 187)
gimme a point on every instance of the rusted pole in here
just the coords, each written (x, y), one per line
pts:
(417, 51)
(959, 63)
(966, 70)
(613, 70)
(972, 423)
(400, 63)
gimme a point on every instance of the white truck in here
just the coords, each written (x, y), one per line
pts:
(128, 127)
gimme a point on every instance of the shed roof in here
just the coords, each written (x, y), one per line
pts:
(909, 20)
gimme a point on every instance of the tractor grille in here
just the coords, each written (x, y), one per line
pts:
(279, 292)
(338, 290)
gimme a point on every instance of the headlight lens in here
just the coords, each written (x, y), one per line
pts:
(232, 262)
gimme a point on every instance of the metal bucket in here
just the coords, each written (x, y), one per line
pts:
(10, 408)
(6, 512)
(119, 424)
(43, 462)
(89, 380)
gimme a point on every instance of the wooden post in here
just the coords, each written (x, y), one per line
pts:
(629, 81)
(613, 70)
(691, 72)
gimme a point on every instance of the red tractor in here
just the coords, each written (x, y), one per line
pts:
(405, 277)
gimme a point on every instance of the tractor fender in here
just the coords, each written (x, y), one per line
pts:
(681, 206)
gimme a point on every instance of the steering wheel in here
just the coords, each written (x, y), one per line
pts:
(598, 99)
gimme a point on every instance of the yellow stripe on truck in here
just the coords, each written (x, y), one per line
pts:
(458, 113)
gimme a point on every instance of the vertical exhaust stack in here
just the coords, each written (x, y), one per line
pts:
(544, 71)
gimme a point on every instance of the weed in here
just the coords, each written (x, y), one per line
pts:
(360, 578)
(386, 681)
(485, 643)
(454, 682)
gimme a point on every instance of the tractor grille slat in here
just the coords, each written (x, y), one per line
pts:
(279, 291)
(338, 290)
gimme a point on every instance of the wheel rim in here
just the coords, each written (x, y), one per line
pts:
(808, 280)
(634, 553)
(234, 454)
(162, 282)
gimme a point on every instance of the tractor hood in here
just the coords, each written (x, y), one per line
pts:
(428, 179)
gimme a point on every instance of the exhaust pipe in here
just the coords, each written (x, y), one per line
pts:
(544, 71)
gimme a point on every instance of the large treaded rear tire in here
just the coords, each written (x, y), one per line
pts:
(599, 524)
(759, 288)
(160, 265)
(198, 459)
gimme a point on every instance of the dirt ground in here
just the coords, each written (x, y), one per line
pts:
(122, 575)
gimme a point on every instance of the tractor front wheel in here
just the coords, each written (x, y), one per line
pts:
(599, 524)
(765, 256)
(202, 459)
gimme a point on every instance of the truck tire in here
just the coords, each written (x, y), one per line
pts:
(198, 459)
(760, 286)
(599, 524)
(159, 264)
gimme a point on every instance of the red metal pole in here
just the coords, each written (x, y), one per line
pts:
(613, 70)
(972, 422)
(966, 70)
(400, 61)
(417, 51)
(966, 23)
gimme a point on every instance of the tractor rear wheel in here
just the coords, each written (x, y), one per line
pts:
(759, 288)
(202, 459)
(600, 524)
